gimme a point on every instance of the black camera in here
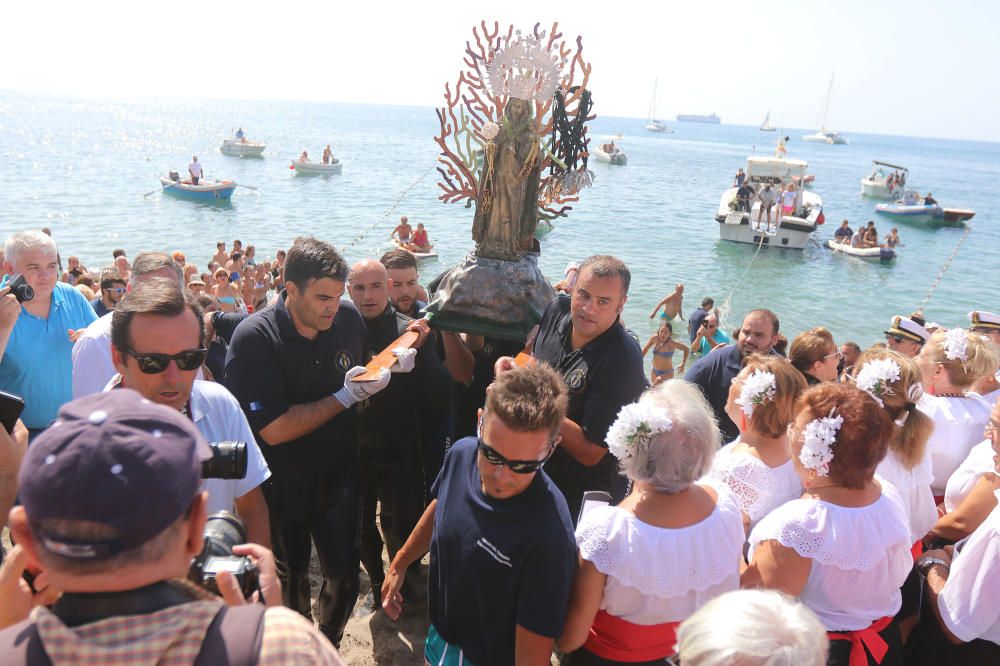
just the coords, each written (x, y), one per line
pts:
(223, 530)
(228, 461)
(21, 289)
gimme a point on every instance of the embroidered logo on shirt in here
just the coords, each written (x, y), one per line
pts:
(494, 552)
(344, 361)
(576, 380)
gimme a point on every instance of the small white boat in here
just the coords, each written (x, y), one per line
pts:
(652, 124)
(825, 135)
(242, 148)
(609, 153)
(882, 185)
(312, 168)
(766, 126)
(870, 253)
(420, 256)
(911, 208)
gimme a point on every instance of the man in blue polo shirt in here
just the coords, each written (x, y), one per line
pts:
(714, 372)
(36, 340)
(502, 551)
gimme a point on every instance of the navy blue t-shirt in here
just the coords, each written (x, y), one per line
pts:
(497, 563)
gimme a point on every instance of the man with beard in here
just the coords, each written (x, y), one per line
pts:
(112, 291)
(389, 424)
(715, 372)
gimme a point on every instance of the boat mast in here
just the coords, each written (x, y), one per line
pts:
(826, 102)
(652, 103)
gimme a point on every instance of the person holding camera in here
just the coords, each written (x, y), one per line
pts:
(40, 319)
(112, 516)
(157, 345)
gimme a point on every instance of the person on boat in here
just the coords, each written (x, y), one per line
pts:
(892, 238)
(327, 154)
(240, 136)
(402, 233)
(664, 346)
(304, 157)
(194, 170)
(767, 197)
(421, 243)
(787, 202)
(843, 233)
(858, 239)
(871, 235)
(929, 200)
(740, 178)
(744, 194)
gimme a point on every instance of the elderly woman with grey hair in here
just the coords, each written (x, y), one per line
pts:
(670, 546)
(752, 628)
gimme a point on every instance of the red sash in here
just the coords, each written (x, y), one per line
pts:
(917, 550)
(613, 638)
(865, 638)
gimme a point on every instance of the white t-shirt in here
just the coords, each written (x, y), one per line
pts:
(963, 480)
(914, 486)
(968, 602)
(860, 556)
(655, 574)
(991, 397)
(759, 489)
(958, 426)
(195, 169)
(787, 199)
(767, 197)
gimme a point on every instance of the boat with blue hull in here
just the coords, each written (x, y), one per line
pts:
(911, 208)
(207, 191)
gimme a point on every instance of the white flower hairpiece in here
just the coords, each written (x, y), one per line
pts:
(955, 342)
(912, 397)
(876, 376)
(636, 425)
(818, 439)
(758, 388)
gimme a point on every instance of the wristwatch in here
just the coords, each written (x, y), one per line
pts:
(925, 563)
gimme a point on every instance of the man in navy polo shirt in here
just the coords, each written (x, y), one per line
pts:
(292, 367)
(582, 338)
(503, 555)
(36, 338)
(714, 372)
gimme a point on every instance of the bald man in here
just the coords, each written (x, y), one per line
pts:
(389, 426)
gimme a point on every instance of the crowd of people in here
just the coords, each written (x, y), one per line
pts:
(786, 502)
(865, 236)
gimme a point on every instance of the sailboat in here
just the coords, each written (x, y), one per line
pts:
(652, 124)
(825, 135)
(766, 126)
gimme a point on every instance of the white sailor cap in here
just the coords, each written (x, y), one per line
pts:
(908, 329)
(980, 319)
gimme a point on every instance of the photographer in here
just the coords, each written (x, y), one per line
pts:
(121, 571)
(157, 346)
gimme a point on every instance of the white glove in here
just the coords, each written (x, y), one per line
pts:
(406, 359)
(354, 392)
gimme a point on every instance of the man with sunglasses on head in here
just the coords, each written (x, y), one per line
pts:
(907, 335)
(502, 550)
(157, 346)
(112, 291)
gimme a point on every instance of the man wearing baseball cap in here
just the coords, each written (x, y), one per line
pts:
(906, 335)
(112, 516)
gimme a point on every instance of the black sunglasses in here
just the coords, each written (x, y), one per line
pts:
(516, 466)
(897, 338)
(154, 364)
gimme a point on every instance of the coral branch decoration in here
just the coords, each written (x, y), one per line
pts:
(542, 67)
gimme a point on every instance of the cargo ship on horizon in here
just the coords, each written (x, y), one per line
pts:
(697, 118)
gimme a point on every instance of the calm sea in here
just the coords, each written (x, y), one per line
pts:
(82, 166)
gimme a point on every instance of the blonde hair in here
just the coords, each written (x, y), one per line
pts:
(982, 358)
(912, 427)
(772, 418)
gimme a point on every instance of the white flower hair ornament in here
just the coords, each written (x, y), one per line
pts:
(912, 398)
(758, 388)
(637, 424)
(818, 439)
(956, 341)
(876, 377)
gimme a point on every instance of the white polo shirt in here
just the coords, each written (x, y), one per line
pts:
(195, 169)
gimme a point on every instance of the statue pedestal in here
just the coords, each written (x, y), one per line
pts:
(491, 297)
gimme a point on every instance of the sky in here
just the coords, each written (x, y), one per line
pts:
(916, 68)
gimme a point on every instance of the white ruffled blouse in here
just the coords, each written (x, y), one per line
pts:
(658, 574)
(914, 486)
(759, 489)
(860, 556)
(958, 426)
(960, 484)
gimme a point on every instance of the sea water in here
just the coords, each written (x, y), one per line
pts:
(82, 167)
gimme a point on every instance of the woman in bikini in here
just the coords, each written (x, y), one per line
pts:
(664, 346)
(226, 292)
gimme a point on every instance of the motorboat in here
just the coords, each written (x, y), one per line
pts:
(766, 126)
(652, 124)
(911, 208)
(881, 184)
(825, 135)
(205, 190)
(609, 153)
(710, 119)
(870, 253)
(242, 148)
(307, 168)
(789, 231)
(956, 216)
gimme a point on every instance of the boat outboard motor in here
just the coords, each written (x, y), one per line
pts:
(174, 176)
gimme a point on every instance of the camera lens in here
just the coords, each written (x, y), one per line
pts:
(228, 461)
(223, 530)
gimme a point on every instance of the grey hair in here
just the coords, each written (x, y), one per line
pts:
(675, 459)
(753, 628)
(26, 240)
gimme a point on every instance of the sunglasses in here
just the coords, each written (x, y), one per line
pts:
(896, 338)
(116, 290)
(154, 364)
(517, 466)
(838, 354)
